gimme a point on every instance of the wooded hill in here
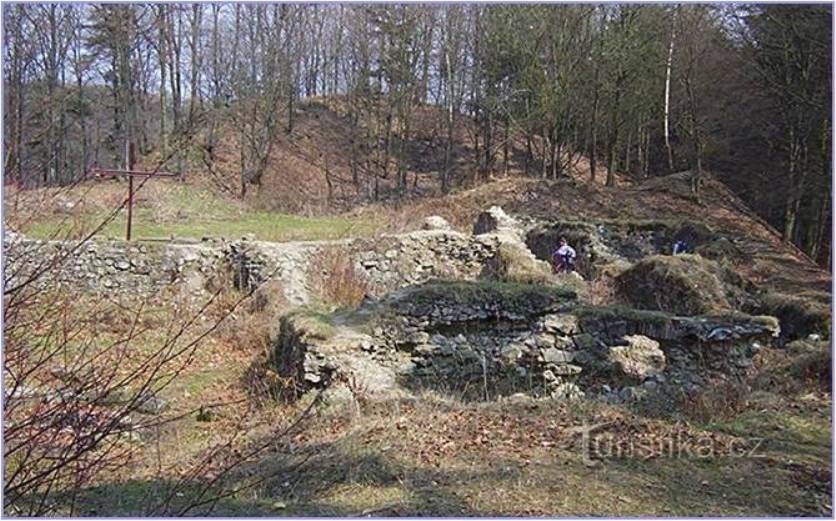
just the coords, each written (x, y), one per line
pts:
(363, 103)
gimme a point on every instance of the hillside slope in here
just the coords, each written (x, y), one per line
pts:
(327, 160)
(774, 263)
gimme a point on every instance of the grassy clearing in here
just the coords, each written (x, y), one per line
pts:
(190, 212)
(261, 225)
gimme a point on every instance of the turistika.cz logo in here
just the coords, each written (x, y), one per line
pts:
(597, 445)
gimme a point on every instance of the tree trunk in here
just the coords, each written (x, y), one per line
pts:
(505, 146)
(593, 142)
(448, 148)
(790, 208)
(696, 174)
(162, 56)
(627, 152)
(613, 138)
(668, 64)
(194, 47)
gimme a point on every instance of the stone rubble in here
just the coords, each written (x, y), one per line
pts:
(417, 332)
(544, 344)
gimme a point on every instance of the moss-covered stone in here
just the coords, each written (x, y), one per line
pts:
(443, 299)
(616, 322)
(800, 315)
(514, 262)
(682, 284)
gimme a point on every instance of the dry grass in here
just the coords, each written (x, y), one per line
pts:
(720, 401)
(800, 367)
(602, 291)
(686, 284)
(334, 279)
(514, 263)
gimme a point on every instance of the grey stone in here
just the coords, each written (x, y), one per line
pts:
(494, 219)
(544, 341)
(641, 358)
(418, 337)
(435, 222)
(567, 391)
(565, 324)
(566, 370)
(425, 349)
(585, 341)
(519, 398)
(152, 405)
(511, 353)
(629, 394)
(557, 356)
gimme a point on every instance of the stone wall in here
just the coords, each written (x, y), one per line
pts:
(108, 266)
(386, 263)
(489, 339)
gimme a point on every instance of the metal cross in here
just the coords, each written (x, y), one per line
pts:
(130, 173)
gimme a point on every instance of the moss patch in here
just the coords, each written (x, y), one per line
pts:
(314, 322)
(514, 263)
(799, 315)
(683, 284)
(463, 293)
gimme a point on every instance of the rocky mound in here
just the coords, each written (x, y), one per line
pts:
(682, 284)
(480, 340)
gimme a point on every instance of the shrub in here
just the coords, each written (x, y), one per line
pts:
(800, 315)
(719, 401)
(335, 280)
(603, 289)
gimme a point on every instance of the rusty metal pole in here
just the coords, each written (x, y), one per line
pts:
(131, 160)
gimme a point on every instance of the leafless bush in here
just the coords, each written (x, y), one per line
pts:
(335, 280)
(83, 374)
(719, 401)
(252, 326)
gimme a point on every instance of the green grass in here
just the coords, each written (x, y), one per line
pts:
(263, 226)
(189, 212)
(804, 438)
(313, 321)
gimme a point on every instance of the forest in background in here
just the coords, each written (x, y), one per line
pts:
(741, 91)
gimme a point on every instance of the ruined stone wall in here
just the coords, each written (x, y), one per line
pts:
(492, 339)
(108, 266)
(385, 263)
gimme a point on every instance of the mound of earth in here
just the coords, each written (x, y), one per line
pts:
(801, 314)
(682, 284)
